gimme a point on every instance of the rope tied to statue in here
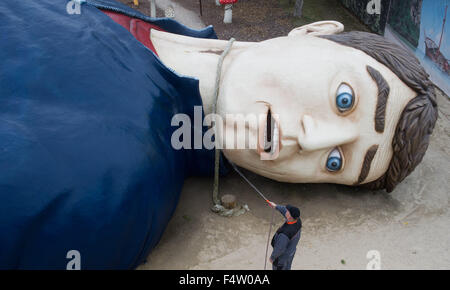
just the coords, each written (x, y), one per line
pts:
(218, 208)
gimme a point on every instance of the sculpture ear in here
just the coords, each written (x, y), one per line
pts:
(326, 27)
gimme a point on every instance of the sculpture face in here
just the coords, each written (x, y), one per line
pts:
(325, 100)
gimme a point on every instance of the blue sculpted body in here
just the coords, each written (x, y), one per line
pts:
(85, 156)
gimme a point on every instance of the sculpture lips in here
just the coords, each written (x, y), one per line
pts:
(269, 140)
(268, 133)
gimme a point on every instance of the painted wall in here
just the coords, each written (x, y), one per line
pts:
(375, 17)
(404, 18)
(422, 29)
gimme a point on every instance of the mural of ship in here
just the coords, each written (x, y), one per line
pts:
(433, 51)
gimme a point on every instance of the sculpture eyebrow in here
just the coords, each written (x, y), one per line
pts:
(370, 154)
(383, 93)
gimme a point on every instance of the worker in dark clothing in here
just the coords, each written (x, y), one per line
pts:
(285, 240)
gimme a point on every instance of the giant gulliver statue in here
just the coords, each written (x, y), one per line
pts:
(87, 104)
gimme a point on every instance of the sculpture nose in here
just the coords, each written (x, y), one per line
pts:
(320, 134)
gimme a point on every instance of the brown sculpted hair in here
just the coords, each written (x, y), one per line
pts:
(416, 123)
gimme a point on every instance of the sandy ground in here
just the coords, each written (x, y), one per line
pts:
(408, 227)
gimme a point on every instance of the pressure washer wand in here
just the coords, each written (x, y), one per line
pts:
(262, 195)
(248, 181)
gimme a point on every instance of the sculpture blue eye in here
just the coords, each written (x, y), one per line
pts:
(334, 161)
(344, 101)
(344, 98)
(333, 164)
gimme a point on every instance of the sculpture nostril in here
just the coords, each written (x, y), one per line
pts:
(308, 123)
(301, 134)
(302, 125)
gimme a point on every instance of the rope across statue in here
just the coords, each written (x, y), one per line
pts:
(91, 103)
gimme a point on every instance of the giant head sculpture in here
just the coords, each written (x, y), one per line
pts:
(349, 108)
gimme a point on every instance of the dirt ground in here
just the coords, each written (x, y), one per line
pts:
(408, 227)
(260, 20)
(256, 20)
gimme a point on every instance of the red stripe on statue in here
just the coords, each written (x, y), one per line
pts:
(137, 27)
